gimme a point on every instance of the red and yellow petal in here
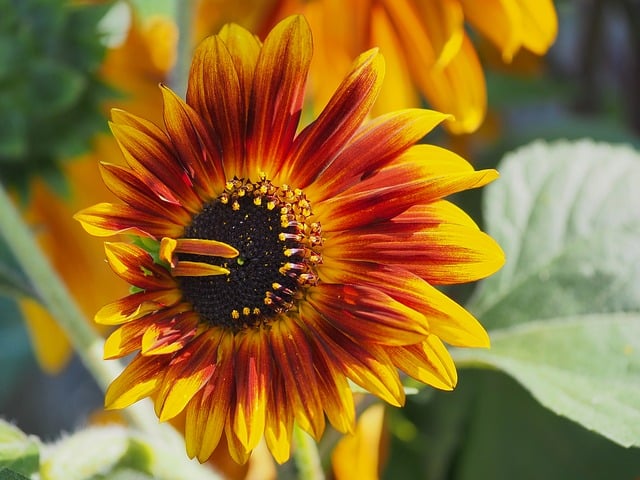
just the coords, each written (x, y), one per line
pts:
(368, 314)
(447, 319)
(140, 379)
(376, 144)
(279, 421)
(294, 359)
(170, 334)
(365, 364)
(188, 372)
(136, 306)
(420, 176)
(277, 96)
(136, 266)
(444, 254)
(253, 368)
(222, 109)
(334, 390)
(320, 142)
(107, 219)
(194, 146)
(129, 188)
(150, 153)
(208, 410)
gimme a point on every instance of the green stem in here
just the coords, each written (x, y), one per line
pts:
(306, 455)
(54, 295)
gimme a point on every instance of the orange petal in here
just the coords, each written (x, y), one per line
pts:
(367, 314)
(539, 24)
(499, 21)
(278, 94)
(320, 142)
(458, 88)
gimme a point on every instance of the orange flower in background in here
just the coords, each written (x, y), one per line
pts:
(428, 51)
(134, 70)
(272, 265)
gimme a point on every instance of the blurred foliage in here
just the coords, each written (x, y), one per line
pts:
(50, 90)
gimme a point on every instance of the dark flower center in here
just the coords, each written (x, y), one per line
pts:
(277, 254)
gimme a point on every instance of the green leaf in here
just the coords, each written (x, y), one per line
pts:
(566, 215)
(6, 474)
(19, 453)
(586, 368)
(491, 428)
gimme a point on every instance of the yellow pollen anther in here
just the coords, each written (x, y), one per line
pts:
(228, 185)
(256, 311)
(235, 314)
(276, 285)
(235, 205)
(257, 201)
(246, 311)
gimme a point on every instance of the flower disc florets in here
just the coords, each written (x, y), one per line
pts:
(277, 247)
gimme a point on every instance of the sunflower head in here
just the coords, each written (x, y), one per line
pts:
(275, 263)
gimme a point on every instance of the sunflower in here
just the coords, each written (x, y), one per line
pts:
(271, 266)
(426, 42)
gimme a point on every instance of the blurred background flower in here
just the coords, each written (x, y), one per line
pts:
(428, 50)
